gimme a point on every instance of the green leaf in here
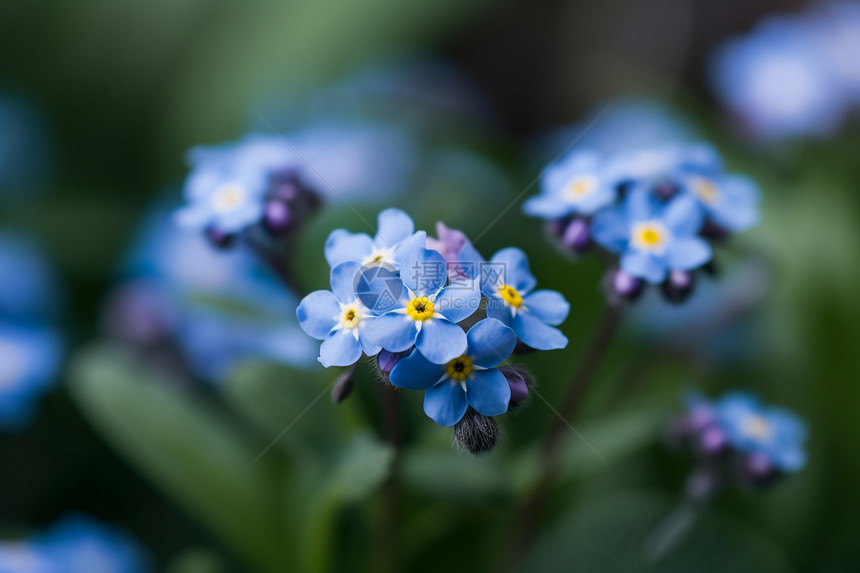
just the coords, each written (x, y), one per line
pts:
(192, 450)
(621, 534)
(457, 477)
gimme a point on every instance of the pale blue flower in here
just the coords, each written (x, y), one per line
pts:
(576, 185)
(730, 201)
(395, 238)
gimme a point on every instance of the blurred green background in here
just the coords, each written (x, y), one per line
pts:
(125, 88)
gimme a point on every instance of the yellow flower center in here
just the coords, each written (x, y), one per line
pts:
(579, 187)
(420, 308)
(756, 427)
(706, 190)
(510, 295)
(228, 197)
(459, 368)
(650, 236)
(351, 317)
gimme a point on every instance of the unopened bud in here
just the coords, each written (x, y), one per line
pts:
(679, 285)
(519, 380)
(278, 217)
(477, 433)
(576, 236)
(343, 385)
(219, 238)
(624, 285)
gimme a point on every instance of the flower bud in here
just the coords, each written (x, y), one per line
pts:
(556, 227)
(624, 285)
(711, 230)
(679, 285)
(343, 385)
(576, 236)
(665, 191)
(713, 442)
(477, 433)
(218, 238)
(277, 218)
(519, 380)
(757, 470)
(388, 360)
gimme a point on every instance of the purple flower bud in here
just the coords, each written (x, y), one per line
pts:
(278, 217)
(626, 286)
(519, 381)
(758, 470)
(557, 227)
(665, 191)
(711, 230)
(388, 360)
(700, 417)
(713, 442)
(576, 236)
(679, 285)
(219, 238)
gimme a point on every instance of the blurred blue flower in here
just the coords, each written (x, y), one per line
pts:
(575, 185)
(508, 283)
(754, 428)
(778, 83)
(395, 238)
(835, 31)
(421, 310)
(28, 287)
(469, 379)
(29, 360)
(652, 237)
(338, 319)
(730, 201)
(75, 544)
(662, 163)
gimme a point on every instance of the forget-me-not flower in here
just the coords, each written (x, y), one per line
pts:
(651, 237)
(754, 428)
(469, 379)
(422, 311)
(339, 319)
(576, 185)
(509, 285)
(730, 201)
(395, 237)
(29, 359)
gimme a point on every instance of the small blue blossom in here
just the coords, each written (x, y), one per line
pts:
(395, 238)
(835, 31)
(777, 82)
(576, 185)
(29, 359)
(423, 311)
(730, 201)
(652, 237)
(469, 379)
(753, 428)
(509, 285)
(659, 164)
(339, 319)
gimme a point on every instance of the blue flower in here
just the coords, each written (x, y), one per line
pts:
(651, 237)
(422, 311)
(28, 287)
(339, 319)
(78, 544)
(575, 185)
(395, 238)
(469, 379)
(655, 165)
(509, 285)
(776, 81)
(754, 428)
(730, 201)
(835, 31)
(29, 359)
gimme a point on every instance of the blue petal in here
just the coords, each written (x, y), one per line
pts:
(424, 272)
(440, 340)
(318, 313)
(514, 266)
(459, 300)
(393, 226)
(393, 332)
(547, 207)
(340, 348)
(644, 266)
(686, 254)
(640, 204)
(547, 305)
(500, 310)
(537, 334)
(683, 216)
(370, 346)
(343, 246)
(416, 372)
(408, 247)
(610, 229)
(490, 343)
(445, 403)
(343, 281)
(488, 392)
(470, 261)
(379, 288)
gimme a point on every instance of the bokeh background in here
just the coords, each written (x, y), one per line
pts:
(101, 101)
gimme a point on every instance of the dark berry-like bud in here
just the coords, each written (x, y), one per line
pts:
(556, 227)
(278, 216)
(624, 285)
(713, 442)
(665, 191)
(679, 285)
(219, 238)
(477, 433)
(343, 385)
(519, 380)
(576, 236)
(758, 470)
(711, 230)
(387, 360)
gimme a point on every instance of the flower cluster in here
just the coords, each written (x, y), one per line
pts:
(440, 319)
(30, 348)
(658, 210)
(742, 438)
(793, 75)
(75, 544)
